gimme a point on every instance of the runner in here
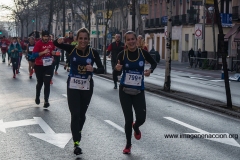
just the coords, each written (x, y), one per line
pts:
(43, 52)
(14, 50)
(131, 89)
(4, 47)
(80, 82)
(31, 60)
(57, 60)
(20, 55)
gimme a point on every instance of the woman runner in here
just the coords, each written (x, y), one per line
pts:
(15, 49)
(131, 90)
(31, 60)
(80, 82)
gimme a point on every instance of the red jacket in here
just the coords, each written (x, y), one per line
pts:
(4, 45)
(39, 47)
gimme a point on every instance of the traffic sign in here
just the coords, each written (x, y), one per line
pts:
(109, 36)
(198, 31)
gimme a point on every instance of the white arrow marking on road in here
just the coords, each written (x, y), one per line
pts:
(115, 125)
(227, 140)
(27, 122)
(57, 139)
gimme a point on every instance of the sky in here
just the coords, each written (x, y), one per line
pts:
(2, 12)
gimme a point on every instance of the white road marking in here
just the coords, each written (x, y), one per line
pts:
(224, 140)
(185, 124)
(217, 80)
(57, 139)
(199, 78)
(13, 124)
(115, 125)
(64, 95)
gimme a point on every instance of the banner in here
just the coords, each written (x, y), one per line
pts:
(144, 9)
(198, 31)
(209, 1)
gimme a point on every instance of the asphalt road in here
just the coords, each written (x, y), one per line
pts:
(208, 84)
(103, 137)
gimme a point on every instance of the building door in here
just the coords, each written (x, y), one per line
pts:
(174, 50)
(163, 48)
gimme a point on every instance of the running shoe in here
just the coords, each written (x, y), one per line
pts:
(51, 82)
(127, 149)
(14, 76)
(46, 105)
(137, 132)
(37, 101)
(30, 75)
(56, 72)
(77, 150)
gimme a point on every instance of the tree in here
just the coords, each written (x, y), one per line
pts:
(167, 82)
(123, 5)
(110, 6)
(223, 53)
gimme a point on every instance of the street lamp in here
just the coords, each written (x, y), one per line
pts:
(211, 10)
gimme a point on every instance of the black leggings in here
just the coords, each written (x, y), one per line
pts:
(78, 102)
(15, 64)
(139, 104)
(56, 62)
(115, 73)
(20, 60)
(44, 75)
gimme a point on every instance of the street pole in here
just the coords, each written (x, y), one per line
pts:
(167, 82)
(224, 55)
(214, 39)
(97, 31)
(133, 14)
(64, 29)
(203, 29)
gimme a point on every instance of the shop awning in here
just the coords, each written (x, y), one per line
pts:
(232, 31)
(237, 37)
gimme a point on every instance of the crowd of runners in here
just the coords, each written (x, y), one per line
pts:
(128, 60)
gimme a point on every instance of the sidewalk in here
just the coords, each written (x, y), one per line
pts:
(185, 97)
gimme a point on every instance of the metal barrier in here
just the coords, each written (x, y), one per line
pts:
(204, 63)
(236, 65)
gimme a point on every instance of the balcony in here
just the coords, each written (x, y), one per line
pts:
(158, 22)
(151, 23)
(235, 13)
(147, 23)
(184, 19)
(176, 20)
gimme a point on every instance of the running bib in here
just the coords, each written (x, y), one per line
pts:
(4, 45)
(133, 79)
(47, 61)
(80, 84)
(30, 48)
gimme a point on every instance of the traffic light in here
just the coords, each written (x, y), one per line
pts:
(33, 21)
(0, 32)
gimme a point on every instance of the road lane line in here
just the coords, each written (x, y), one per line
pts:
(115, 125)
(186, 125)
